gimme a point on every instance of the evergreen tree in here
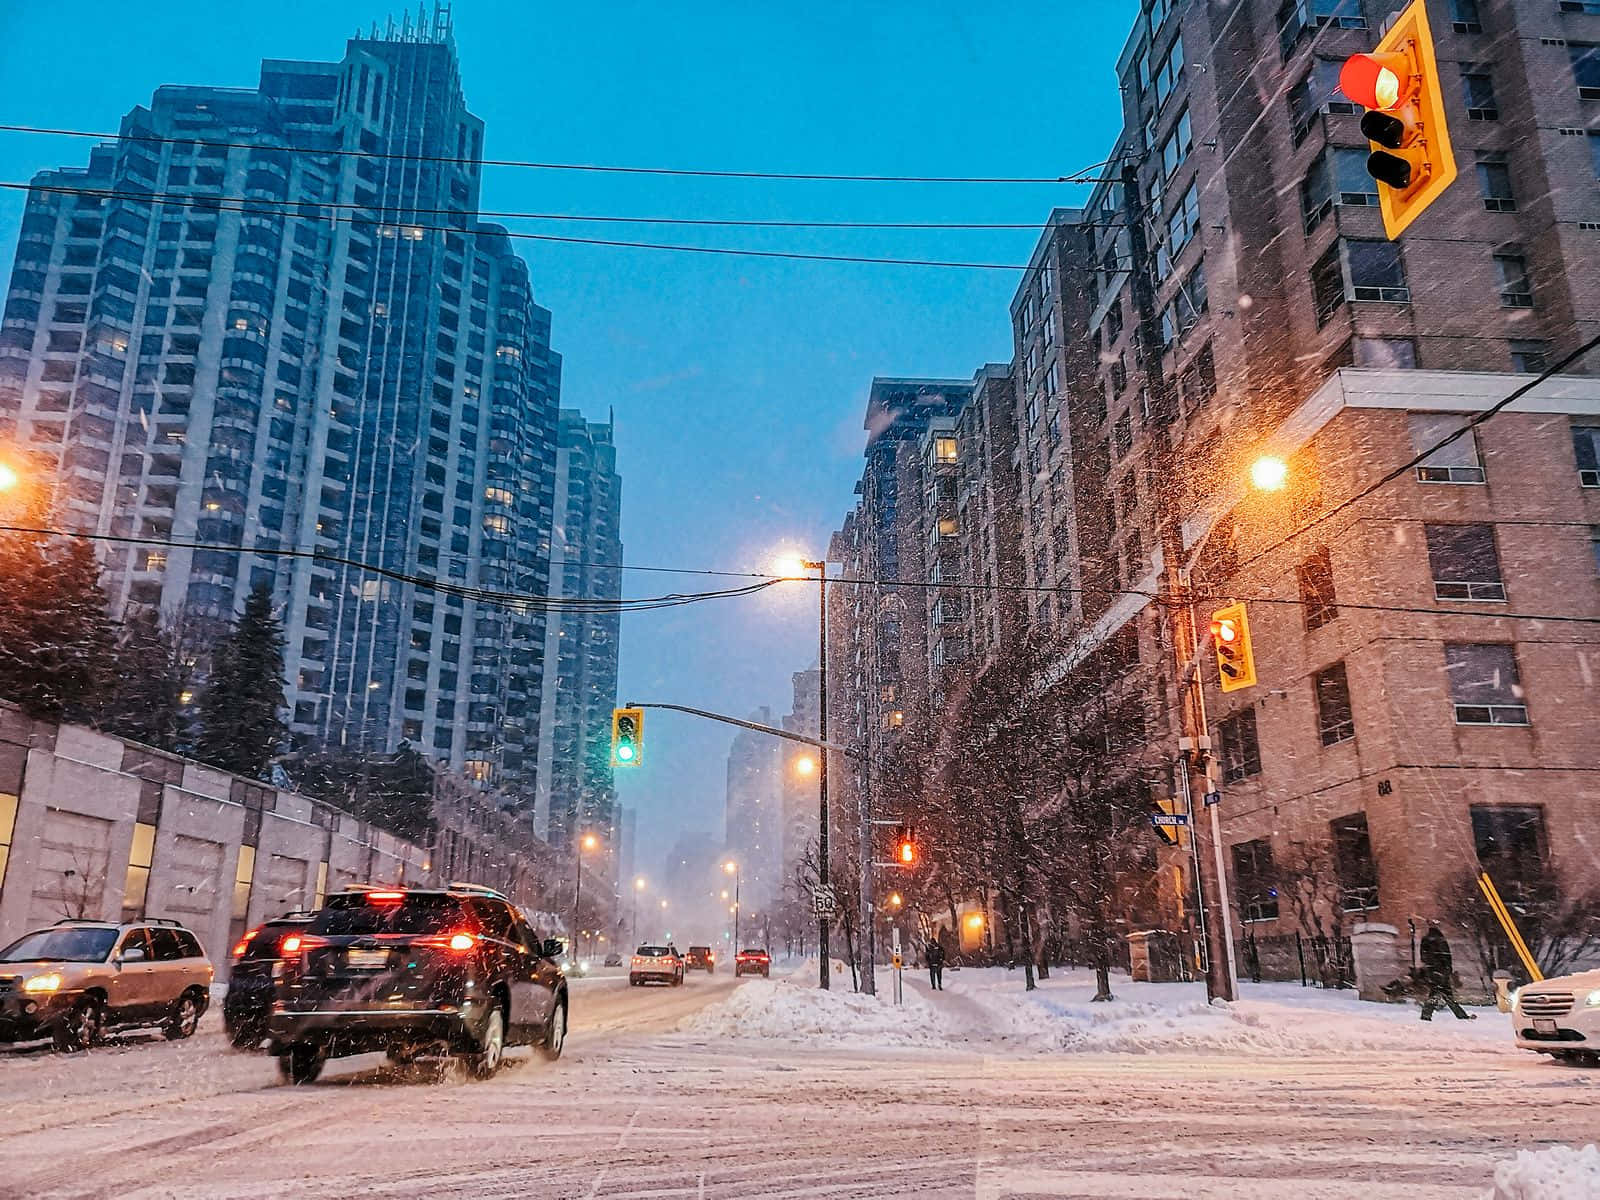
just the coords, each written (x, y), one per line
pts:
(57, 642)
(241, 710)
(145, 704)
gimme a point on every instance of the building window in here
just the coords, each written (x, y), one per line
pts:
(1464, 563)
(1594, 544)
(1586, 446)
(1316, 589)
(1353, 863)
(243, 873)
(1327, 285)
(1122, 434)
(1169, 72)
(1386, 353)
(8, 825)
(1464, 16)
(1484, 685)
(1516, 289)
(1241, 751)
(1316, 193)
(1256, 880)
(1177, 146)
(1494, 183)
(1376, 272)
(137, 881)
(1477, 93)
(1456, 462)
(1511, 846)
(944, 449)
(1530, 357)
(1586, 69)
(1335, 720)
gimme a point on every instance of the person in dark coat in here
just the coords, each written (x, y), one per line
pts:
(1438, 975)
(934, 957)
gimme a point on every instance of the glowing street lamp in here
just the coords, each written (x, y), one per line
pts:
(587, 842)
(732, 868)
(805, 765)
(1269, 473)
(8, 477)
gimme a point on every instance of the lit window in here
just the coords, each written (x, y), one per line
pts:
(498, 495)
(1454, 463)
(944, 449)
(495, 523)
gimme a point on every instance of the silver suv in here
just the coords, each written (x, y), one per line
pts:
(74, 979)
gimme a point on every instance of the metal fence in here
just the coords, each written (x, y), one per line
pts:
(1320, 961)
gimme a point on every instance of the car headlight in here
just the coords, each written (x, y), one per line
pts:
(43, 983)
(1592, 1000)
(1512, 996)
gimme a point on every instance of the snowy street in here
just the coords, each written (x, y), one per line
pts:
(703, 1091)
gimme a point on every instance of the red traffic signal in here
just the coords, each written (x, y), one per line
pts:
(905, 852)
(1379, 81)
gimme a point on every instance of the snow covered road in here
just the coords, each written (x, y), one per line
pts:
(635, 1109)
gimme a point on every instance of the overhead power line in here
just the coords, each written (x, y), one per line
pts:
(600, 168)
(295, 208)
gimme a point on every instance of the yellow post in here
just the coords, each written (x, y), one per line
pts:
(1498, 907)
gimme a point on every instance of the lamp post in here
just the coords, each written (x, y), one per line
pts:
(587, 842)
(732, 868)
(820, 566)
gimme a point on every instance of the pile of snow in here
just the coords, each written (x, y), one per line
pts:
(1559, 1173)
(800, 1011)
(1275, 1019)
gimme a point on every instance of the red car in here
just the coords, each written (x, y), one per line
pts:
(752, 962)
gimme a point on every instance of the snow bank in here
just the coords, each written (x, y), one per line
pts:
(1559, 1173)
(800, 1011)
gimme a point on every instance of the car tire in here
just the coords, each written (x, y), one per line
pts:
(185, 1018)
(81, 1028)
(555, 1035)
(247, 1037)
(483, 1062)
(301, 1063)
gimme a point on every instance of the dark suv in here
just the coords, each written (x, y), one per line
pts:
(454, 970)
(700, 958)
(257, 973)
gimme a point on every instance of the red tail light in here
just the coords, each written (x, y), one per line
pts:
(385, 897)
(244, 942)
(460, 941)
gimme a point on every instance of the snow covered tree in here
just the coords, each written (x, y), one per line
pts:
(56, 639)
(241, 709)
(145, 701)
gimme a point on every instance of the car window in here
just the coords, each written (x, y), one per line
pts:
(190, 944)
(522, 933)
(164, 945)
(135, 939)
(61, 945)
(353, 913)
(495, 917)
(653, 952)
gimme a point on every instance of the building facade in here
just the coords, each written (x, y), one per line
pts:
(270, 321)
(753, 812)
(576, 789)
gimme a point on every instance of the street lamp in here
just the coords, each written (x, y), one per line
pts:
(793, 567)
(805, 765)
(8, 477)
(587, 842)
(1269, 473)
(732, 868)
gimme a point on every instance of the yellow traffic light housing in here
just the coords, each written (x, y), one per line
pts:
(1398, 84)
(905, 847)
(627, 737)
(1230, 635)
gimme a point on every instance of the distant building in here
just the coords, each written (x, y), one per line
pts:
(799, 787)
(576, 791)
(754, 812)
(307, 341)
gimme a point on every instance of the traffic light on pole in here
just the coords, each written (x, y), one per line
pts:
(1398, 84)
(627, 737)
(905, 847)
(1230, 635)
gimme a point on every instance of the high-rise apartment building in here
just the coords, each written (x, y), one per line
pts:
(754, 812)
(271, 320)
(576, 789)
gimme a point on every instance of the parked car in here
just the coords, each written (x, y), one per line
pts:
(754, 961)
(254, 980)
(417, 972)
(613, 959)
(700, 958)
(1560, 1017)
(74, 980)
(655, 964)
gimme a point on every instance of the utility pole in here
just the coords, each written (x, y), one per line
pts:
(826, 879)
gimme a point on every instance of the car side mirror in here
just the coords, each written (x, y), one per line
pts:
(130, 956)
(552, 948)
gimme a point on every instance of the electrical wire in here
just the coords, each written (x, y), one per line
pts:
(546, 603)
(601, 168)
(215, 204)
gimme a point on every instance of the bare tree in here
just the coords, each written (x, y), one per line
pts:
(82, 887)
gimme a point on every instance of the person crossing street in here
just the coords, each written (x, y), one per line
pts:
(1438, 973)
(935, 960)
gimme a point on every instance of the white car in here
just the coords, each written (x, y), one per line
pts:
(1559, 1017)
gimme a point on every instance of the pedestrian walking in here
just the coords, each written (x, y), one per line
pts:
(934, 956)
(1438, 975)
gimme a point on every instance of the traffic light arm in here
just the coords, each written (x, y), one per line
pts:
(786, 734)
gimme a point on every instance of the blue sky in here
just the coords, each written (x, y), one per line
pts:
(738, 384)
